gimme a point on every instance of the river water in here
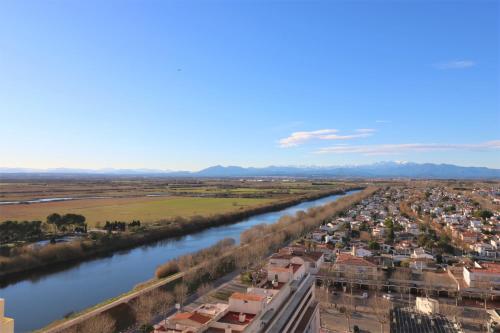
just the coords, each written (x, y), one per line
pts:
(36, 301)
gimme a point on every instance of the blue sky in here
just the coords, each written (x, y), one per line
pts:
(189, 84)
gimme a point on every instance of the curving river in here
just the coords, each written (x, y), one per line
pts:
(35, 302)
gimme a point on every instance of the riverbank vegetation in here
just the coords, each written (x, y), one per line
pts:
(13, 231)
(256, 243)
(26, 258)
(27, 231)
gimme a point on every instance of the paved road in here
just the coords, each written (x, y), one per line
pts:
(334, 321)
(471, 318)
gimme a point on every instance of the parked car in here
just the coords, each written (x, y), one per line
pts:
(388, 297)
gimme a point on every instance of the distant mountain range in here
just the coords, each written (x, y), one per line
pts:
(376, 170)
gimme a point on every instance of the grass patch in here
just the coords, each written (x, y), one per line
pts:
(127, 209)
(222, 295)
(246, 278)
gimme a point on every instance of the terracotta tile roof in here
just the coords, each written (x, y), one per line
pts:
(488, 268)
(316, 255)
(281, 256)
(182, 315)
(279, 269)
(197, 317)
(312, 255)
(295, 267)
(234, 318)
(349, 259)
(247, 297)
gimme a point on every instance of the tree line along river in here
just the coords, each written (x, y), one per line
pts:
(38, 300)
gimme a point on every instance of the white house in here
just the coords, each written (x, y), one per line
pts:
(476, 225)
(495, 242)
(482, 275)
(318, 236)
(246, 303)
(360, 252)
(378, 231)
(426, 305)
(485, 249)
(420, 253)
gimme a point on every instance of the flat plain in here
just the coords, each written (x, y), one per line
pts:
(145, 209)
(145, 200)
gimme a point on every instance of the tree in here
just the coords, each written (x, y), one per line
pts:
(204, 289)
(346, 310)
(73, 220)
(364, 226)
(380, 308)
(180, 293)
(166, 300)
(167, 269)
(15, 231)
(373, 245)
(147, 306)
(389, 238)
(483, 213)
(444, 244)
(54, 220)
(103, 323)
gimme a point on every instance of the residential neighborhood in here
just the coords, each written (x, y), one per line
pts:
(405, 259)
(403, 243)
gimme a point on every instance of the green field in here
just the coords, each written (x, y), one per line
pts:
(127, 209)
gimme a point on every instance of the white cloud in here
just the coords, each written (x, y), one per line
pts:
(298, 138)
(365, 130)
(455, 64)
(386, 149)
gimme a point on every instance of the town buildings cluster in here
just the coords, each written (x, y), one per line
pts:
(491, 193)
(442, 240)
(474, 229)
(424, 233)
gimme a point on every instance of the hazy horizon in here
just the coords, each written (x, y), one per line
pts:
(166, 171)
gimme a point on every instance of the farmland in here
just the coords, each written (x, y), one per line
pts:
(146, 209)
(147, 200)
(84, 188)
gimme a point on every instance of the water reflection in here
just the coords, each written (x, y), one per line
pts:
(77, 286)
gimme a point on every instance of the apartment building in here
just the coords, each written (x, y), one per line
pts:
(282, 302)
(355, 266)
(6, 324)
(482, 275)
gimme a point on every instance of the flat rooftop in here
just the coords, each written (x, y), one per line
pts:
(405, 320)
(234, 318)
